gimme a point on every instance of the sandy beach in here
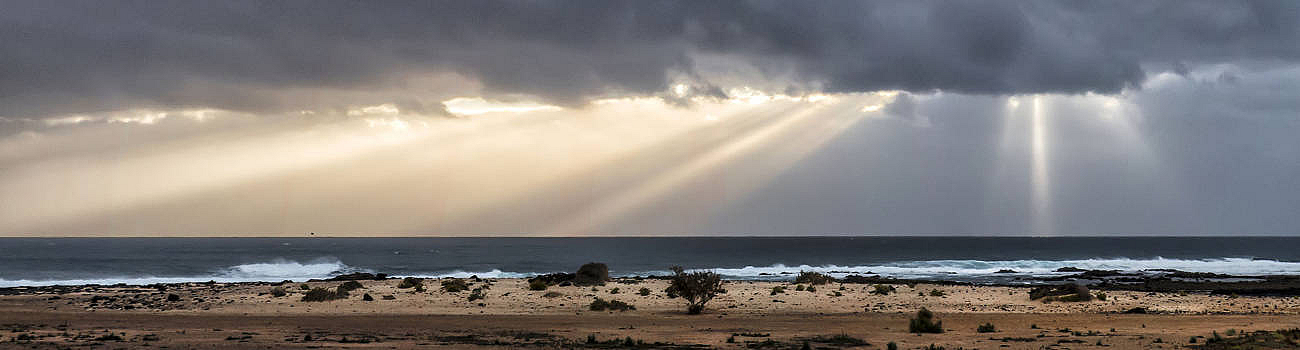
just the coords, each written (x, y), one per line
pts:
(748, 315)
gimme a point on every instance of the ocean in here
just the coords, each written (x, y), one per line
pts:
(71, 261)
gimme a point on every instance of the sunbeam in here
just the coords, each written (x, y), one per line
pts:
(1040, 175)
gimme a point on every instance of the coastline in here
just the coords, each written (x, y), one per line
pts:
(219, 315)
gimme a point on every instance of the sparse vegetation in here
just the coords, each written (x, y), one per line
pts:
(476, 294)
(937, 293)
(349, 286)
(811, 289)
(986, 328)
(778, 290)
(798, 288)
(1069, 292)
(883, 289)
(644, 291)
(613, 291)
(602, 305)
(453, 285)
(891, 346)
(552, 295)
(696, 287)
(411, 282)
(1100, 296)
(924, 323)
(322, 294)
(813, 278)
(537, 284)
(278, 292)
(304, 286)
(591, 274)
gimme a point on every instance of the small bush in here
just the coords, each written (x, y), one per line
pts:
(613, 291)
(552, 295)
(454, 285)
(644, 291)
(278, 292)
(477, 294)
(811, 289)
(367, 297)
(696, 287)
(537, 285)
(1100, 296)
(322, 294)
(602, 305)
(304, 286)
(411, 282)
(591, 274)
(883, 289)
(891, 346)
(986, 328)
(937, 293)
(778, 290)
(924, 323)
(798, 288)
(349, 286)
(813, 278)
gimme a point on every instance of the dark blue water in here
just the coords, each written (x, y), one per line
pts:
(43, 261)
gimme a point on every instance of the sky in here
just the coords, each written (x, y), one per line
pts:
(584, 118)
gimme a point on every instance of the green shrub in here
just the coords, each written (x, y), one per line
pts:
(883, 289)
(349, 286)
(696, 287)
(613, 291)
(278, 292)
(813, 278)
(591, 274)
(798, 288)
(537, 285)
(891, 346)
(602, 305)
(1101, 296)
(986, 328)
(322, 294)
(924, 323)
(304, 286)
(644, 291)
(937, 293)
(477, 294)
(453, 285)
(552, 295)
(411, 282)
(811, 289)
(778, 290)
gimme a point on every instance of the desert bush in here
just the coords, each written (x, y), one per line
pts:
(798, 288)
(937, 293)
(891, 346)
(552, 295)
(696, 287)
(883, 289)
(322, 294)
(453, 285)
(304, 286)
(1100, 296)
(349, 286)
(278, 292)
(644, 291)
(613, 291)
(602, 305)
(477, 294)
(778, 290)
(811, 289)
(411, 282)
(367, 297)
(591, 274)
(986, 328)
(1064, 292)
(813, 278)
(924, 323)
(537, 285)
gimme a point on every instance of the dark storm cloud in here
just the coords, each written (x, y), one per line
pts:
(59, 57)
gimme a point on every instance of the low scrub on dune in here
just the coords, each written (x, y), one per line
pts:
(322, 294)
(924, 322)
(813, 278)
(602, 305)
(696, 287)
(453, 285)
(411, 282)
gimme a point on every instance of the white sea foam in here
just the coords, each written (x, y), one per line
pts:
(278, 270)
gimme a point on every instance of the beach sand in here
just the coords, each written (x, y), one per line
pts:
(246, 315)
